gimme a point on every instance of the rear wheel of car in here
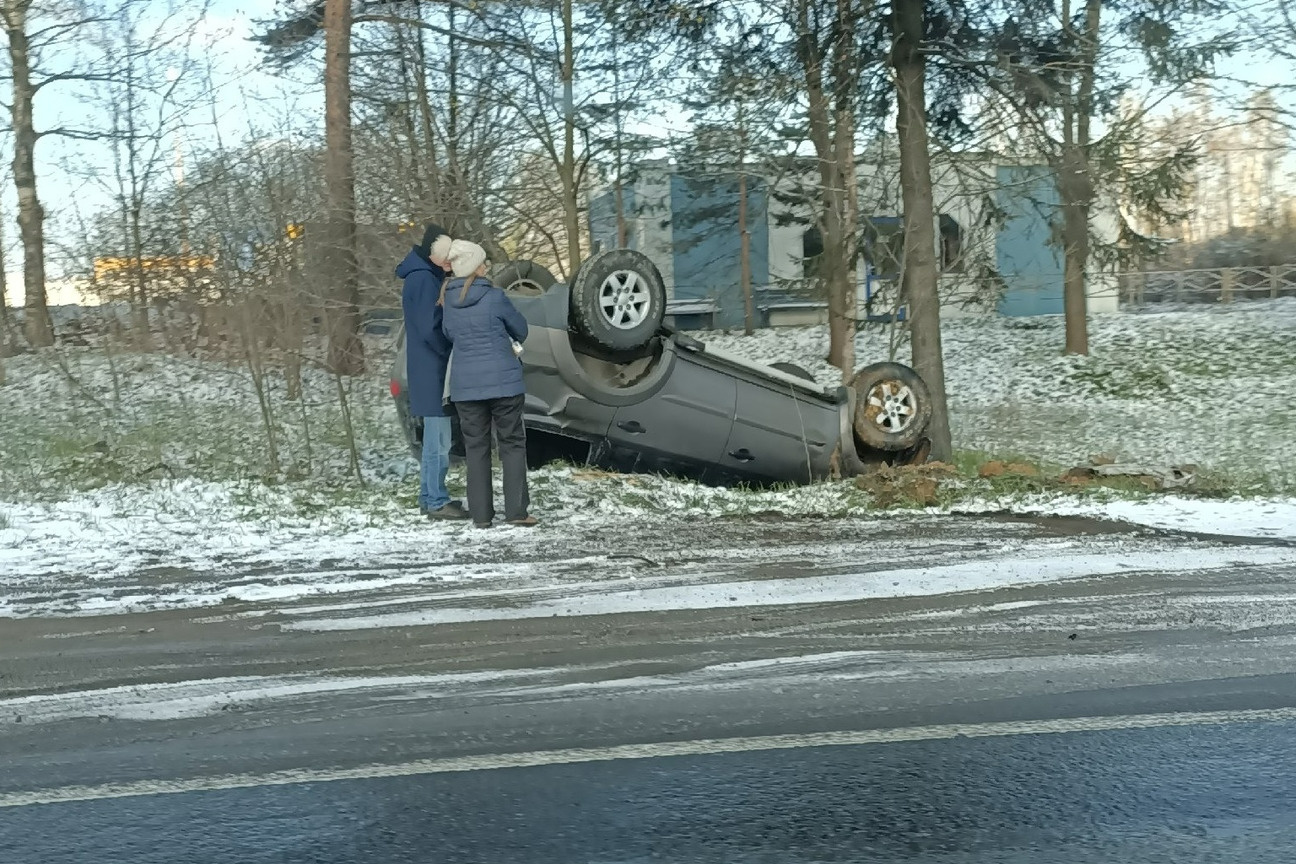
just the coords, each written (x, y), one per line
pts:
(526, 278)
(892, 406)
(794, 370)
(618, 300)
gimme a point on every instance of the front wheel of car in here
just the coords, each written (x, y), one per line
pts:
(892, 406)
(618, 300)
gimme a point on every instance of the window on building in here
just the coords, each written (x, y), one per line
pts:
(812, 249)
(951, 245)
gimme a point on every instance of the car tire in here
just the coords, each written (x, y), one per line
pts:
(892, 406)
(794, 370)
(526, 278)
(618, 300)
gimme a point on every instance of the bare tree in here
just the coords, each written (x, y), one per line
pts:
(31, 217)
(919, 270)
(5, 320)
(346, 351)
(1062, 71)
(288, 40)
(738, 109)
(831, 81)
(148, 97)
(1075, 176)
(4, 308)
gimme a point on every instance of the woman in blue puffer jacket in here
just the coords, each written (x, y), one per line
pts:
(486, 384)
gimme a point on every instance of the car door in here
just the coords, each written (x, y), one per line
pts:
(779, 434)
(681, 429)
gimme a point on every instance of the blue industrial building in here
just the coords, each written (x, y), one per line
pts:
(996, 228)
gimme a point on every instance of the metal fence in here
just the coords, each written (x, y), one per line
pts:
(1222, 285)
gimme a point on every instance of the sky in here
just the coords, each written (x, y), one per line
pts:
(75, 177)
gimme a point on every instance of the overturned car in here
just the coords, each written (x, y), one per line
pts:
(609, 385)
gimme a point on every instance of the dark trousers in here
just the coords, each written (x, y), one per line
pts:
(476, 422)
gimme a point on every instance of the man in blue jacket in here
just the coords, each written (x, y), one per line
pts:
(427, 354)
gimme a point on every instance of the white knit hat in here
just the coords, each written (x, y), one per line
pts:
(466, 257)
(441, 247)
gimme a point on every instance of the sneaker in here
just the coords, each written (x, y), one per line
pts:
(453, 510)
(525, 522)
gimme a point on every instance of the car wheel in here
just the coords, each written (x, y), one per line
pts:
(618, 300)
(526, 278)
(793, 370)
(892, 406)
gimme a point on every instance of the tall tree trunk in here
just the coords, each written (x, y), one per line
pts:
(458, 197)
(919, 271)
(417, 192)
(622, 226)
(4, 298)
(840, 332)
(464, 217)
(846, 86)
(744, 232)
(4, 309)
(618, 187)
(140, 308)
(1075, 181)
(571, 203)
(436, 203)
(31, 218)
(345, 350)
(744, 252)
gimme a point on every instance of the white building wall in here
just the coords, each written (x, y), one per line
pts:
(1102, 286)
(652, 220)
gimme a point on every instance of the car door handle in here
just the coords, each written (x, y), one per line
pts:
(743, 455)
(634, 427)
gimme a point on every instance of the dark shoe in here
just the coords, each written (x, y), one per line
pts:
(525, 522)
(481, 524)
(453, 510)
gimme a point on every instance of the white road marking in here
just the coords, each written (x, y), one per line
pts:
(701, 747)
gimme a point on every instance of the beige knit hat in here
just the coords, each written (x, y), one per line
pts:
(466, 257)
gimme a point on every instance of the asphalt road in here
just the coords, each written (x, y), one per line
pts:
(1140, 715)
(1180, 794)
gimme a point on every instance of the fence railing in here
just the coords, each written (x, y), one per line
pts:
(1220, 285)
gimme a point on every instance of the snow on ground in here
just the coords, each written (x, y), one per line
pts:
(79, 418)
(1261, 518)
(248, 694)
(965, 576)
(1210, 386)
(113, 464)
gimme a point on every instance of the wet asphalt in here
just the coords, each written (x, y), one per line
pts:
(83, 706)
(1219, 793)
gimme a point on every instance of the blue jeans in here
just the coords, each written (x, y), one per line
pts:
(435, 464)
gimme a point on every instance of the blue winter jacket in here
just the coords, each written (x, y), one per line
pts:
(482, 327)
(427, 351)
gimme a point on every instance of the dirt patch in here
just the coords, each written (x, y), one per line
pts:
(995, 468)
(907, 484)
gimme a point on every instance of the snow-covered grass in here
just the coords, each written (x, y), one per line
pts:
(113, 462)
(74, 419)
(1209, 386)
